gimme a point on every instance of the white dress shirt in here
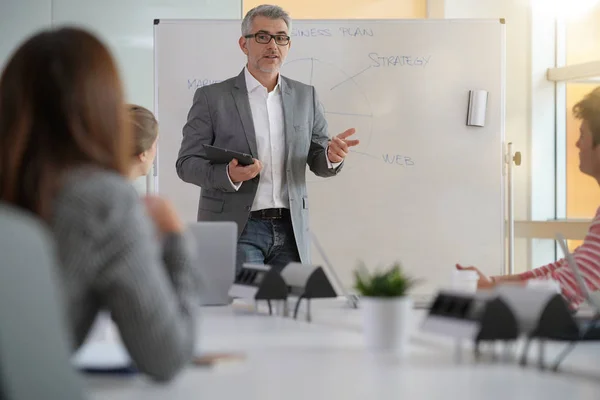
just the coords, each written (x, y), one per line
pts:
(267, 115)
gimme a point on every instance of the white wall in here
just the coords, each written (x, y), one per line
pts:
(126, 26)
(530, 118)
(19, 19)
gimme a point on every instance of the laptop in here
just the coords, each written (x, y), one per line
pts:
(592, 298)
(216, 247)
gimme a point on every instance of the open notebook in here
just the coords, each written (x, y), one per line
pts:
(103, 351)
(103, 357)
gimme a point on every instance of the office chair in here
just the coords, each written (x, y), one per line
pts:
(34, 345)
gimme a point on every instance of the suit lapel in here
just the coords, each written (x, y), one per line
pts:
(240, 96)
(287, 96)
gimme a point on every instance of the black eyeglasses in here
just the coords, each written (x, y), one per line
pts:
(264, 38)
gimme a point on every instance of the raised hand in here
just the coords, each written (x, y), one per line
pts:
(340, 145)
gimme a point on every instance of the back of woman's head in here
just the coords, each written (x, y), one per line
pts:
(61, 106)
(144, 126)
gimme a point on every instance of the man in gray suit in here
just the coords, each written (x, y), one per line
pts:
(278, 121)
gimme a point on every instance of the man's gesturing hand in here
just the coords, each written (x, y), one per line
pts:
(339, 146)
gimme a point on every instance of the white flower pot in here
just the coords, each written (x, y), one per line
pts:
(387, 323)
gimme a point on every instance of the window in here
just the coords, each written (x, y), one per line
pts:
(581, 46)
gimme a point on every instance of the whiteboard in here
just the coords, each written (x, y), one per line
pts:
(422, 188)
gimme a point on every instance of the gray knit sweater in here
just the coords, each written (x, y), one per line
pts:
(112, 259)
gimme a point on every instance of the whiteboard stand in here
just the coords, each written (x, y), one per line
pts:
(352, 299)
(150, 183)
(510, 158)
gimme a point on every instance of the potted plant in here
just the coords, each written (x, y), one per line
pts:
(386, 307)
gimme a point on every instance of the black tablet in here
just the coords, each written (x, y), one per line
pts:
(217, 155)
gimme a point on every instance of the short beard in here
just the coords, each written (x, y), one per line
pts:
(268, 70)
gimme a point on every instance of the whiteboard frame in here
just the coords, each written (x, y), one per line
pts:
(506, 204)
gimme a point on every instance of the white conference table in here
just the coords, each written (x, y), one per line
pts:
(326, 359)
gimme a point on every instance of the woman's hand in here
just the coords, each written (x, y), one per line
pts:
(484, 282)
(163, 214)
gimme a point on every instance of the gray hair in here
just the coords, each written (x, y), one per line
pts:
(265, 10)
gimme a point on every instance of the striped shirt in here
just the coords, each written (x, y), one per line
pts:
(587, 257)
(111, 259)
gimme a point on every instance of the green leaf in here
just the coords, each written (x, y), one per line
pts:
(392, 282)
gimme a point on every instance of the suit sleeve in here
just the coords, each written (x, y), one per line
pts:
(317, 154)
(199, 130)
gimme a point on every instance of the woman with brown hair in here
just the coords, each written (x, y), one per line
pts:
(145, 135)
(65, 152)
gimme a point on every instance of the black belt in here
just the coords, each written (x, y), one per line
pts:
(270, 213)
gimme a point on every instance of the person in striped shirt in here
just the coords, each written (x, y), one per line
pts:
(587, 255)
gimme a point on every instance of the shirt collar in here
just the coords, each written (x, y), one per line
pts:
(252, 83)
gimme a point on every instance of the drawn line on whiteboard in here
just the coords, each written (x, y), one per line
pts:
(350, 114)
(352, 77)
(366, 135)
(312, 69)
(364, 154)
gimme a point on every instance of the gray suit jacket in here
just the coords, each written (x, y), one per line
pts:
(220, 115)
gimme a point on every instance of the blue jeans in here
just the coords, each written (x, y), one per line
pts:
(267, 241)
